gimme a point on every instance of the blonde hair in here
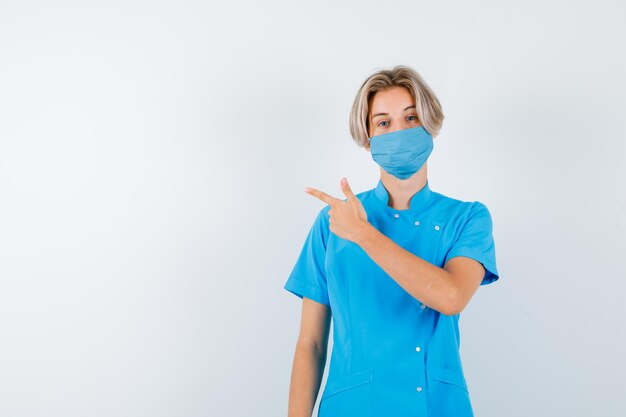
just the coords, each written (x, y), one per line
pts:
(427, 105)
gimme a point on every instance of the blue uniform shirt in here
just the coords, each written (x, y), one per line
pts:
(393, 355)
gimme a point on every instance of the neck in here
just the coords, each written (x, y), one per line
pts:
(401, 191)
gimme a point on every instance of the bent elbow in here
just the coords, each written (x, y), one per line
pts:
(455, 305)
(451, 311)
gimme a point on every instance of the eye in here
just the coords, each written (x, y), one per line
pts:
(412, 115)
(383, 121)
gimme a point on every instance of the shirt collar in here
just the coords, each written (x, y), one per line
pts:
(418, 201)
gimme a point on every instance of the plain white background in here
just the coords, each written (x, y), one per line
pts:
(153, 156)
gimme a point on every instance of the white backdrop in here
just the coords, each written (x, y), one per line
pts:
(153, 157)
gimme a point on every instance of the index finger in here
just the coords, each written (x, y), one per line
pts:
(321, 195)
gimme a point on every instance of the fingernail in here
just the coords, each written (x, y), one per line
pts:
(307, 189)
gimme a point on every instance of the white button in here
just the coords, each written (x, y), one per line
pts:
(417, 349)
(396, 215)
(419, 389)
(417, 223)
(436, 227)
(423, 306)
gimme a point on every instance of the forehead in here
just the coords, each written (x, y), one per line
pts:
(393, 99)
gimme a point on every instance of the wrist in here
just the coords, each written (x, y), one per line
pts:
(364, 234)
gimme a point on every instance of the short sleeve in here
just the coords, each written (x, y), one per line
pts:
(476, 241)
(308, 277)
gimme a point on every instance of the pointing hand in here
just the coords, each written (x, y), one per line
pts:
(348, 219)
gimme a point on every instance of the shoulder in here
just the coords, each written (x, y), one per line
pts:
(459, 209)
(443, 200)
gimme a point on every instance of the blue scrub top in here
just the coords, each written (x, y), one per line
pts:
(393, 355)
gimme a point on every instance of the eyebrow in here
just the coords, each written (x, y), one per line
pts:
(386, 114)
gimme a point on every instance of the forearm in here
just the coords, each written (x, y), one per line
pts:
(306, 377)
(424, 281)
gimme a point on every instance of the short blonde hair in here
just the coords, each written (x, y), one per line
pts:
(427, 105)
